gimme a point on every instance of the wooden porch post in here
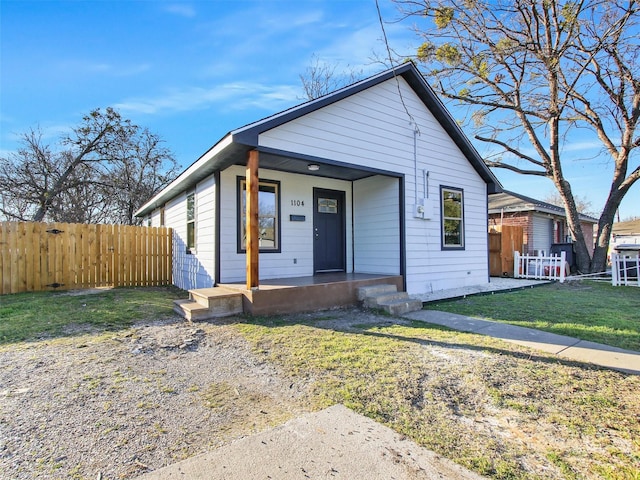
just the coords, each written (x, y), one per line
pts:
(252, 241)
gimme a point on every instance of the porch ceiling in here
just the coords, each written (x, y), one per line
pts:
(328, 169)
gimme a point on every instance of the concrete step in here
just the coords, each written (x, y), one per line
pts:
(400, 307)
(377, 300)
(374, 290)
(189, 310)
(387, 298)
(207, 296)
(208, 303)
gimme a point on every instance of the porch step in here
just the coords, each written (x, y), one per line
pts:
(387, 298)
(208, 303)
(374, 290)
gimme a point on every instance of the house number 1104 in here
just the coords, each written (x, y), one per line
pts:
(297, 203)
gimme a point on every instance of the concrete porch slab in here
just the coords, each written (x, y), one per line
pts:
(300, 294)
(495, 284)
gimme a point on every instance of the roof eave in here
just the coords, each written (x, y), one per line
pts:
(198, 170)
(419, 84)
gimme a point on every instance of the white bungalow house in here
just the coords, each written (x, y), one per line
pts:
(373, 181)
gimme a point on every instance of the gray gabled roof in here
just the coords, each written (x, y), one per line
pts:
(238, 142)
(508, 202)
(249, 134)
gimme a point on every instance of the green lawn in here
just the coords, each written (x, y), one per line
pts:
(490, 406)
(26, 316)
(588, 310)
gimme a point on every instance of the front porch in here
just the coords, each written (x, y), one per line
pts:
(281, 296)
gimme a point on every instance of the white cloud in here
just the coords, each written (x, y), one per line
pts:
(181, 9)
(102, 68)
(231, 96)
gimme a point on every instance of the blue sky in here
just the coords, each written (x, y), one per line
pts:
(192, 71)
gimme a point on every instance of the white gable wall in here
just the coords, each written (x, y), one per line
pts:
(372, 128)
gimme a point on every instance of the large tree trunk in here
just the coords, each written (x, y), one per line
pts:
(603, 238)
(583, 258)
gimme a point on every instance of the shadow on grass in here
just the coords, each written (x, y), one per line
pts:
(485, 343)
(588, 310)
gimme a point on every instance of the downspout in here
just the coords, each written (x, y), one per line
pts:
(216, 241)
(353, 231)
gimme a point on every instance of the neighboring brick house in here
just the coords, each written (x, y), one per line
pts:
(543, 223)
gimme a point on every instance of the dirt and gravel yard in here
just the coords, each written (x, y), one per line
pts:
(116, 404)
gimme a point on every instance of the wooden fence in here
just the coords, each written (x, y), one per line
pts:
(46, 256)
(503, 241)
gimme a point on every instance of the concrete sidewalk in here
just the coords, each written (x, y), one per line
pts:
(334, 443)
(569, 348)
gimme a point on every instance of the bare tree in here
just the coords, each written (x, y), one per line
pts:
(102, 172)
(583, 204)
(321, 78)
(535, 74)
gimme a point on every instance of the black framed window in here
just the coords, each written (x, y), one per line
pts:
(268, 215)
(452, 217)
(191, 222)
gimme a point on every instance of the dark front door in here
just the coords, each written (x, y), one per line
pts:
(329, 231)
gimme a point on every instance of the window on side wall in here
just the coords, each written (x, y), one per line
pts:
(452, 215)
(191, 222)
(268, 215)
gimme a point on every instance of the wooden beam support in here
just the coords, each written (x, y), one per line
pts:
(252, 242)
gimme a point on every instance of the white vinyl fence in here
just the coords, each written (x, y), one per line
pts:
(625, 270)
(540, 267)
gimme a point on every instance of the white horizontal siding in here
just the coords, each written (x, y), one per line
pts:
(155, 218)
(372, 129)
(206, 232)
(296, 256)
(195, 270)
(376, 206)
